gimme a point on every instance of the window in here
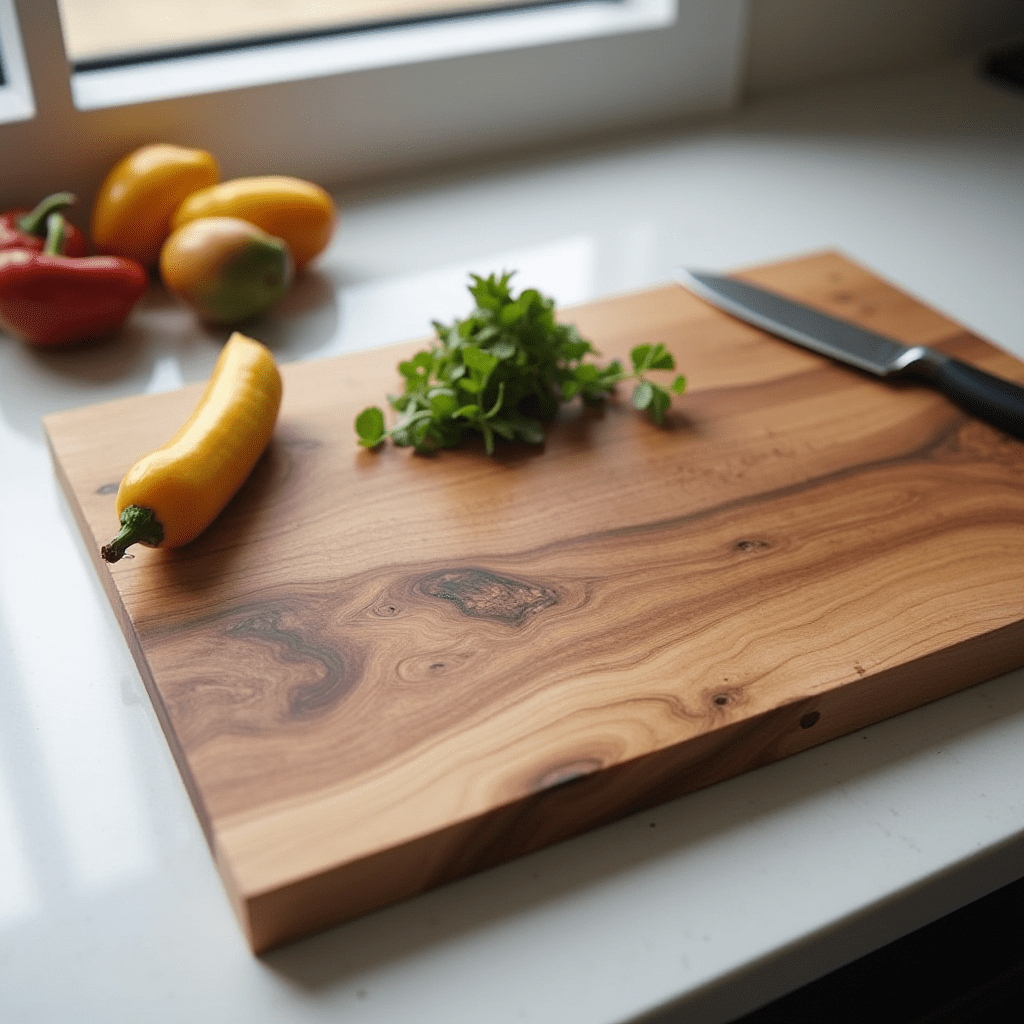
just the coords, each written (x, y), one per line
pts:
(341, 106)
(105, 30)
(320, 55)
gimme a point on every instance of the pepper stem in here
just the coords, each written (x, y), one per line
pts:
(138, 526)
(34, 222)
(55, 233)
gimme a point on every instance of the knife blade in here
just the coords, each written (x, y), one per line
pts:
(994, 399)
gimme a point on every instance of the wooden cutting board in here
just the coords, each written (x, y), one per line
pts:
(379, 672)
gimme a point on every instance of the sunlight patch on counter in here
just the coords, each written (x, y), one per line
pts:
(395, 309)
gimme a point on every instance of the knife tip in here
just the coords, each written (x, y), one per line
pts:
(698, 280)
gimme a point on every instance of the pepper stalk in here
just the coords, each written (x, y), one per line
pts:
(138, 526)
(37, 221)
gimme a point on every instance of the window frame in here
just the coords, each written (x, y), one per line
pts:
(16, 99)
(366, 48)
(622, 63)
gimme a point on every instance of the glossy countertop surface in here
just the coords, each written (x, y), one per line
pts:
(110, 906)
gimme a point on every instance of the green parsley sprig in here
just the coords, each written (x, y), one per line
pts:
(503, 371)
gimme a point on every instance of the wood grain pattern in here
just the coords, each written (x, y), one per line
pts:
(379, 672)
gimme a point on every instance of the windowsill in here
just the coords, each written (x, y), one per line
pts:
(390, 46)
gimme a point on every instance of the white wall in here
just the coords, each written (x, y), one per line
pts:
(795, 43)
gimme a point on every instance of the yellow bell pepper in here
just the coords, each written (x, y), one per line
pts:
(131, 215)
(299, 212)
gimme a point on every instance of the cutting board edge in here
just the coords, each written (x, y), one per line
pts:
(134, 646)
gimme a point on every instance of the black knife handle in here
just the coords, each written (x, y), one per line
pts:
(993, 399)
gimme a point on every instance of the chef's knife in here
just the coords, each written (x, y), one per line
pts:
(990, 398)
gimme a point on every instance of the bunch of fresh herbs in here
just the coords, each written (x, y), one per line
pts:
(503, 371)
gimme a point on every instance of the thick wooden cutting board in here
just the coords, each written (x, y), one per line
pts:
(379, 672)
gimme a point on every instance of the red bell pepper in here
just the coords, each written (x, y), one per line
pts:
(26, 229)
(49, 299)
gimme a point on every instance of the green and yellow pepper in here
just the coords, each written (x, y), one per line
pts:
(225, 268)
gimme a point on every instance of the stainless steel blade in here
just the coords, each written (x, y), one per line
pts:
(819, 332)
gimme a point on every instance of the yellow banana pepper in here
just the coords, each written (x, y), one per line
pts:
(299, 212)
(174, 493)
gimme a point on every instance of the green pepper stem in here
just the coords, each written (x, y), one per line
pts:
(55, 233)
(34, 222)
(138, 526)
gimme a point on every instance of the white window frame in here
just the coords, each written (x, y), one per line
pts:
(379, 101)
(16, 101)
(367, 49)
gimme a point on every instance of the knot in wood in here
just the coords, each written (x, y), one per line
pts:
(747, 544)
(481, 594)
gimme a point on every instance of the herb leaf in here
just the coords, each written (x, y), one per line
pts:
(502, 371)
(370, 427)
(643, 394)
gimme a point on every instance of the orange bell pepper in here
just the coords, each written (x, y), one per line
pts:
(132, 212)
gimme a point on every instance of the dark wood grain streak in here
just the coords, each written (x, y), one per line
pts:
(379, 672)
(340, 672)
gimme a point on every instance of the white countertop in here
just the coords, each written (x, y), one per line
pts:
(110, 906)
